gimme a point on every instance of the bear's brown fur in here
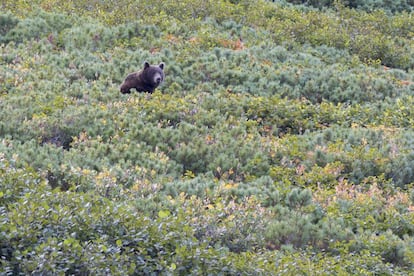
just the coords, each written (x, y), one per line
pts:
(145, 80)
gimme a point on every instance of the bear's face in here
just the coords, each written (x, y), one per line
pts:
(153, 74)
(145, 80)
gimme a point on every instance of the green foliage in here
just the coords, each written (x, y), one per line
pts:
(279, 143)
(7, 22)
(301, 223)
(391, 6)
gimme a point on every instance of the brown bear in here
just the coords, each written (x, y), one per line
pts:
(145, 80)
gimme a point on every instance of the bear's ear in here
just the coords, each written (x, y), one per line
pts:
(162, 65)
(146, 65)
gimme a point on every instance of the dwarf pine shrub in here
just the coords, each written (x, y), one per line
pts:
(7, 22)
(303, 223)
(393, 7)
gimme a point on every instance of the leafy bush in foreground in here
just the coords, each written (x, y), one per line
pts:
(47, 231)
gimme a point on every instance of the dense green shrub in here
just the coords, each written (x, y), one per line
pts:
(302, 223)
(7, 22)
(85, 233)
(41, 26)
(391, 6)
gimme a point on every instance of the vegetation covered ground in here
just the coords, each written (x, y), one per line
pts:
(281, 141)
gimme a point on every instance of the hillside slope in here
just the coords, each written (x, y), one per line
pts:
(279, 143)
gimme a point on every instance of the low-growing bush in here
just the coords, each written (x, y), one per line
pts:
(390, 6)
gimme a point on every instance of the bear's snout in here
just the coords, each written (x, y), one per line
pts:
(157, 78)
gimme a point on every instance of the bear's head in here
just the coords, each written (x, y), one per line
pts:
(153, 74)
